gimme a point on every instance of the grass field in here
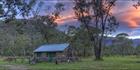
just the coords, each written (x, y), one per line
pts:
(109, 63)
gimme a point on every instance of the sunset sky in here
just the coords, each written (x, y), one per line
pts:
(124, 11)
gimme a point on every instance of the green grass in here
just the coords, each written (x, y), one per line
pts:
(109, 63)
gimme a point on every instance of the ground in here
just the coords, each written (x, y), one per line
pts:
(109, 63)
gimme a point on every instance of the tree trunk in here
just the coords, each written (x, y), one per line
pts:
(97, 52)
(84, 52)
(98, 49)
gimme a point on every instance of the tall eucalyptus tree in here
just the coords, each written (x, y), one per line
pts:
(96, 14)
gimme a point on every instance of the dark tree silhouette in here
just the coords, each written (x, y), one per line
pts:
(9, 9)
(96, 14)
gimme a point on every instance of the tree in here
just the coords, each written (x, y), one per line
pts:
(9, 9)
(122, 36)
(82, 42)
(137, 4)
(123, 44)
(46, 22)
(96, 14)
(138, 50)
(79, 41)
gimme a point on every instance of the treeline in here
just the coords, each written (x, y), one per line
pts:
(123, 51)
(121, 45)
(20, 38)
(16, 40)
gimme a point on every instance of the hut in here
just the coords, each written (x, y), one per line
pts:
(50, 51)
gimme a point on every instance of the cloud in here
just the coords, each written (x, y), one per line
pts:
(125, 12)
(65, 19)
(128, 17)
(131, 17)
(135, 32)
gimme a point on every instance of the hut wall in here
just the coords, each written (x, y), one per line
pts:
(60, 54)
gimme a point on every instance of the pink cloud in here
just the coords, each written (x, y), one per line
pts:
(130, 17)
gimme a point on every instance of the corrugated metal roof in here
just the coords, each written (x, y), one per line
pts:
(52, 47)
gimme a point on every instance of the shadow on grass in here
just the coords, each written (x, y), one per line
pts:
(137, 62)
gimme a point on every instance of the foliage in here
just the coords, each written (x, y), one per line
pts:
(121, 45)
(25, 37)
(26, 34)
(138, 50)
(94, 13)
(79, 40)
(9, 9)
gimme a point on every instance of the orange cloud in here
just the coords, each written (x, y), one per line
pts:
(64, 19)
(67, 18)
(131, 17)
